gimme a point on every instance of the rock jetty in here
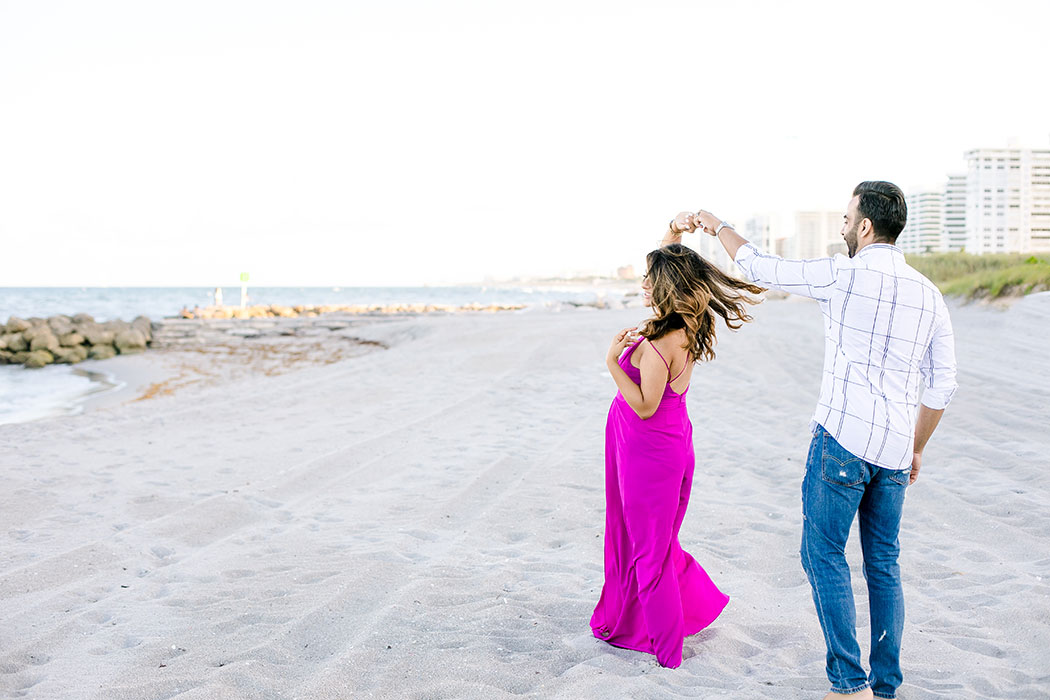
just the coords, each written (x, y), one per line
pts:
(37, 342)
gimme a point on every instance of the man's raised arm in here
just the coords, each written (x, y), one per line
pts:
(810, 278)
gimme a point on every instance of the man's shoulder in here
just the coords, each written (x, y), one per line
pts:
(922, 285)
(922, 279)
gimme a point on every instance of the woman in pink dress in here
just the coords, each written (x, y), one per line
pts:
(655, 593)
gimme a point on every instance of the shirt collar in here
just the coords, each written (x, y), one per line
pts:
(871, 249)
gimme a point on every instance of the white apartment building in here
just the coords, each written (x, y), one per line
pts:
(769, 232)
(711, 249)
(817, 234)
(924, 231)
(954, 236)
(1008, 200)
(803, 234)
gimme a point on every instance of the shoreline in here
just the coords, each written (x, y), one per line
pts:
(110, 303)
(128, 378)
(205, 350)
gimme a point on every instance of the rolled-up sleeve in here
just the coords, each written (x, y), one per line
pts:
(810, 278)
(938, 365)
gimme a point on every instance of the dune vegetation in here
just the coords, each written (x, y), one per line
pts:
(985, 276)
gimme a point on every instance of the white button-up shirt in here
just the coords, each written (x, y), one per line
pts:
(887, 332)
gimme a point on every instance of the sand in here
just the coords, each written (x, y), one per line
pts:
(426, 521)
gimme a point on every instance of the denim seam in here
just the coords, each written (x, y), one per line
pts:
(880, 695)
(842, 462)
(816, 592)
(862, 686)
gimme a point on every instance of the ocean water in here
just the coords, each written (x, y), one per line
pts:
(107, 303)
(27, 394)
(30, 394)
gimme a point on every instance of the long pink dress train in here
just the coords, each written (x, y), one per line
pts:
(655, 593)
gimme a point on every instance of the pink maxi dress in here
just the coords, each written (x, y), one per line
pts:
(655, 594)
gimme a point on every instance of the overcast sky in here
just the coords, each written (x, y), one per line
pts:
(348, 143)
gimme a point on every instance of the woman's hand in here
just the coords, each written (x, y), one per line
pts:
(621, 340)
(683, 222)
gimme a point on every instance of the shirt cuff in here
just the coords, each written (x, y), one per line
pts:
(937, 399)
(745, 251)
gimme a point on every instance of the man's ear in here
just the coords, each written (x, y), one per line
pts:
(866, 228)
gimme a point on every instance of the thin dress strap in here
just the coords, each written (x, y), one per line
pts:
(684, 368)
(662, 358)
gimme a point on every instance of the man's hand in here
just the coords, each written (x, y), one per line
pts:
(916, 465)
(706, 221)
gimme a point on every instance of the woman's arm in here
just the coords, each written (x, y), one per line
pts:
(679, 225)
(643, 399)
(671, 236)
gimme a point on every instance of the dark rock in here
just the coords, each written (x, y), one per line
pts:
(130, 342)
(44, 339)
(15, 342)
(72, 355)
(96, 334)
(102, 352)
(39, 358)
(60, 325)
(17, 325)
(70, 340)
(117, 326)
(143, 326)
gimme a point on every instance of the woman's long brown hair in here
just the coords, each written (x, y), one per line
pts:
(688, 292)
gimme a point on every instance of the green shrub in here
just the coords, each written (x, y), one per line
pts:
(985, 276)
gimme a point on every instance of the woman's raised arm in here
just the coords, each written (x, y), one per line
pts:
(682, 223)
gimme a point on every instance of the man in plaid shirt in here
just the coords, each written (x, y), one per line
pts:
(888, 340)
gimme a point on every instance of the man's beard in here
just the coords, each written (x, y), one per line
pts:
(851, 240)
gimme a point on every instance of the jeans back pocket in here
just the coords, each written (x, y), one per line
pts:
(899, 476)
(839, 466)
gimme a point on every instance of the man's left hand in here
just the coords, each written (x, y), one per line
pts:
(916, 465)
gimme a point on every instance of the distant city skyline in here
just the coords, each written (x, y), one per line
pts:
(347, 144)
(1000, 204)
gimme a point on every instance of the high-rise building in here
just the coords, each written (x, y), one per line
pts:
(954, 237)
(801, 234)
(712, 250)
(1007, 200)
(759, 231)
(765, 231)
(768, 232)
(817, 235)
(924, 231)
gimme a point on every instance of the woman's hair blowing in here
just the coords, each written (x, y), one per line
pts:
(689, 291)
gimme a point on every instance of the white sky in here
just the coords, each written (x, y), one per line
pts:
(351, 143)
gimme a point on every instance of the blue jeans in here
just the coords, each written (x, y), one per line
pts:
(837, 486)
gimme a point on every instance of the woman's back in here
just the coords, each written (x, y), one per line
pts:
(679, 363)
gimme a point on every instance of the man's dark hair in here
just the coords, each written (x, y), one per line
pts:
(883, 203)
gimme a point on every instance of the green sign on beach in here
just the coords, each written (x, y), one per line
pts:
(244, 277)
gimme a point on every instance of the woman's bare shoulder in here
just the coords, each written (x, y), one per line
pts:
(672, 340)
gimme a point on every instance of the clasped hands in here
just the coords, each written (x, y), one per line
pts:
(688, 221)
